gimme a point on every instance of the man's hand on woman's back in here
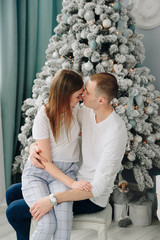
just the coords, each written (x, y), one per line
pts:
(35, 157)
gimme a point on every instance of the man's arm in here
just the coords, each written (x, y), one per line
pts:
(73, 195)
(35, 157)
(42, 206)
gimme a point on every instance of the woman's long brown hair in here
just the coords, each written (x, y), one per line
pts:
(63, 85)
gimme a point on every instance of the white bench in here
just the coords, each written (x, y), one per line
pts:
(158, 195)
(96, 221)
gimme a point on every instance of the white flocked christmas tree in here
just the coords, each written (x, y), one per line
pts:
(99, 36)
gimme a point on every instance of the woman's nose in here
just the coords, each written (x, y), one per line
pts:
(80, 97)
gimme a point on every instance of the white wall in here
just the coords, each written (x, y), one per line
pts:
(152, 56)
(152, 49)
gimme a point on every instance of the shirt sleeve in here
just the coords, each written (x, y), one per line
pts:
(109, 165)
(40, 128)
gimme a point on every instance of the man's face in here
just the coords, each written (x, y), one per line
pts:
(89, 96)
(76, 97)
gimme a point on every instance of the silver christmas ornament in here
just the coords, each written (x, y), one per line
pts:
(88, 66)
(107, 23)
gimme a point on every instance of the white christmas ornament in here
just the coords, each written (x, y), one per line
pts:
(107, 23)
(55, 54)
(88, 66)
(138, 139)
(118, 68)
(89, 15)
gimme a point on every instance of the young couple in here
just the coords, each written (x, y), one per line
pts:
(49, 185)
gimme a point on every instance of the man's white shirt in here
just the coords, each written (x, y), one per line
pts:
(103, 148)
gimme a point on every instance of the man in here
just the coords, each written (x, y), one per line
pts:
(104, 139)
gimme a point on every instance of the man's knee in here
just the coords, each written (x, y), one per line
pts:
(12, 211)
(10, 214)
(9, 194)
(18, 210)
(13, 193)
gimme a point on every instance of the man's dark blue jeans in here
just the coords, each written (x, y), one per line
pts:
(18, 214)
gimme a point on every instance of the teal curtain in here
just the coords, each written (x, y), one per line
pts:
(25, 29)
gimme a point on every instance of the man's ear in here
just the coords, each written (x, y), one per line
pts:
(102, 100)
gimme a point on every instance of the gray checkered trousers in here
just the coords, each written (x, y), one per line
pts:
(36, 184)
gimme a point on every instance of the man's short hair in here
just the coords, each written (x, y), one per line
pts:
(106, 85)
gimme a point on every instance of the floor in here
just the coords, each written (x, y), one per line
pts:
(151, 232)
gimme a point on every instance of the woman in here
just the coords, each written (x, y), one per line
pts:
(56, 130)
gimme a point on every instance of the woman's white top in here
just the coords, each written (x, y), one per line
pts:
(66, 149)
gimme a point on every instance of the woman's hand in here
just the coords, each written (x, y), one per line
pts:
(82, 185)
(35, 157)
(40, 208)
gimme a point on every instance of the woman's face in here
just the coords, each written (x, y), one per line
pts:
(76, 97)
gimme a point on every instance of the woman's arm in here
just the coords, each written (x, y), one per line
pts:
(53, 170)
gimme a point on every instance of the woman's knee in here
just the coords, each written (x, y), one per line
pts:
(47, 224)
(64, 213)
(47, 228)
